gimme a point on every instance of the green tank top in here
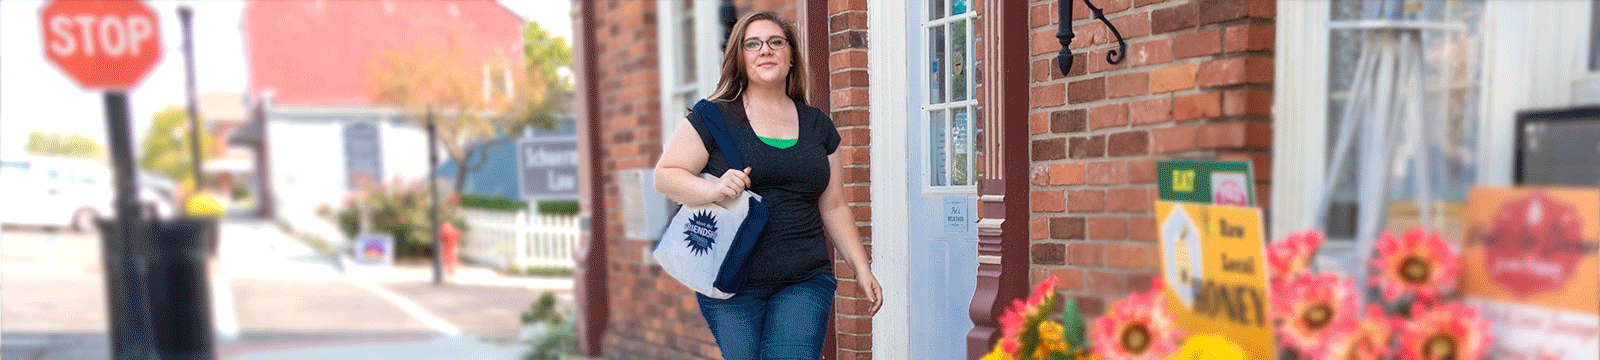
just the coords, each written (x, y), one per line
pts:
(778, 143)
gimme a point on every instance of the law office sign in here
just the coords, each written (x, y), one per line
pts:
(1213, 265)
(547, 168)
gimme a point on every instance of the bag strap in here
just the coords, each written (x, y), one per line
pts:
(719, 132)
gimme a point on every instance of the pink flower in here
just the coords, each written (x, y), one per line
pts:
(1421, 264)
(1448, 331)
(1313, 309)
(1022, 315)
(1138, 327)
(1291, 256)
(1368, 340)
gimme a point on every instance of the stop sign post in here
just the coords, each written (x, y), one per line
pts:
(111, 45)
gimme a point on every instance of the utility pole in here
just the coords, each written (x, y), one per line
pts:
(186, 19)
(433, 195)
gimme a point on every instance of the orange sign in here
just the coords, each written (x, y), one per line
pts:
(1529, 261)
(101, 45)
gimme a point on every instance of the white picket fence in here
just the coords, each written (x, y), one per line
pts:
(519, 240)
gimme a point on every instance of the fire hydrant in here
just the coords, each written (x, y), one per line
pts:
(449, 237)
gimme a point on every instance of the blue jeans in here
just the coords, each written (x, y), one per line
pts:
(774, 323)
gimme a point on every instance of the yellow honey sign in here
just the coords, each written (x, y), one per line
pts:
(1213, 265)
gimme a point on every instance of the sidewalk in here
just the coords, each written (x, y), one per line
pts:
(474, 315)
(397, 347)
(273, 297)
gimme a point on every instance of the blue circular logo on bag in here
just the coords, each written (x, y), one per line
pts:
(702, 232)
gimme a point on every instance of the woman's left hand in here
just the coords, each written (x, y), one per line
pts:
(869, 286)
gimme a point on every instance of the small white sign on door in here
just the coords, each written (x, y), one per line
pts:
(955, 213)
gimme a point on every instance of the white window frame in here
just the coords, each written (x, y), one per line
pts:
(639, 184)
(707, 57)
(1587, 89)
(1516, 75)
(1593, 51)
(920, 57)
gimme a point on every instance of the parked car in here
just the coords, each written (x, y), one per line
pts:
(71, 193)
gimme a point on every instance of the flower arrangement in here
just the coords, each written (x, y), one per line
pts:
(1316, 315)
(1030, 334)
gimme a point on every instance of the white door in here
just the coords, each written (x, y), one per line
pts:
(942, 193)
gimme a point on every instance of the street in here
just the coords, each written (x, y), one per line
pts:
(273, 298)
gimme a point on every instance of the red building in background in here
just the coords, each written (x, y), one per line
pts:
(315, 124)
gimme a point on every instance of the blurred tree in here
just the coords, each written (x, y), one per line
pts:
(476, 104)
(548, 59)
(165, 146)
(55, 143)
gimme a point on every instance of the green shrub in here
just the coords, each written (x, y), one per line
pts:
(489, 202)
(402, 211)
(560, 207)
(556, 336)
(240, 191)
(546, 271)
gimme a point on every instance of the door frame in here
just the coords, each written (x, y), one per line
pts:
(1002, 176)
(1004, 102)
(891, 250)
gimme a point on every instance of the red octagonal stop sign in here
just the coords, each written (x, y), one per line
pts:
(101, 44)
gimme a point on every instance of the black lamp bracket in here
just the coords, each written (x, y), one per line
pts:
(1064, 35)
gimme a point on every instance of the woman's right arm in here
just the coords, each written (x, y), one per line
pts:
(677, 172)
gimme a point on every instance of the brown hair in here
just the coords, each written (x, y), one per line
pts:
(734, 80)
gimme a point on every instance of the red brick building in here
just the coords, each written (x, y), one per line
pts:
(1077, 152)
(954, 110)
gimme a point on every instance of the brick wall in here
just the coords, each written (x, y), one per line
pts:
(847, 69)
(1196, 83)
(652, 317)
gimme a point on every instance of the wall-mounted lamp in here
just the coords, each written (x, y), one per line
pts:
(1064, 35)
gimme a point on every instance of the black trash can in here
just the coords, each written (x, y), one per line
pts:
(180, 288)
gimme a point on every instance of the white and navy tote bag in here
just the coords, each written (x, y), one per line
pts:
(707, 247)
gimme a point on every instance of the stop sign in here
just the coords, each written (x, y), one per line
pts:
(101, 44)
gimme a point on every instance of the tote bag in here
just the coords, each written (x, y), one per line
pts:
(707, 247)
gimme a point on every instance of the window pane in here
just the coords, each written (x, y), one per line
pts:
(936, 149)
(1449, 98)
(687, 40)
(936, 9)
(960, 146)
(960, 7)
(936, 65)
(958, 61)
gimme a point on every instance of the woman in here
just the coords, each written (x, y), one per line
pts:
(789, 149)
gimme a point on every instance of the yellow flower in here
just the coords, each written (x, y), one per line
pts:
(999, 353)
(1050, 340)
(1208, 347)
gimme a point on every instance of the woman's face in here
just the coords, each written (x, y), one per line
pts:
(766, 53)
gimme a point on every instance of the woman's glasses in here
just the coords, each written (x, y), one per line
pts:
(775, 43)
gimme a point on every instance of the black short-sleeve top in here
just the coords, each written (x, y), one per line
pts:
(791, 248)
